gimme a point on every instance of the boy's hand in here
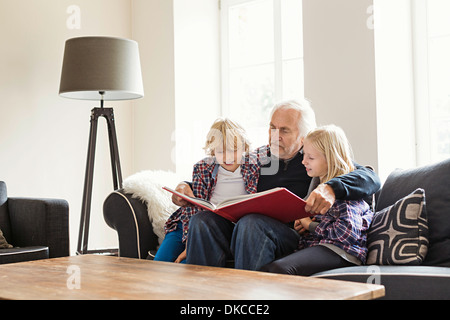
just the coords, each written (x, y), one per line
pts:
(181, 257)
(185, 189)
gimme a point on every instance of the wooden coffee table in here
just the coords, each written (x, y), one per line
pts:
(107, 277)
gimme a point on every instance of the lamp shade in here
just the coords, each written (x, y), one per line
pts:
(101, 64)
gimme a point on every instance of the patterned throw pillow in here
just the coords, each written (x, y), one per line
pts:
(3, 243)
(399, 233)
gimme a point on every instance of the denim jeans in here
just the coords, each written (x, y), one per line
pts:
(253, 242)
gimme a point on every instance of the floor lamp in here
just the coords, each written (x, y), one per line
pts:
(102, 69)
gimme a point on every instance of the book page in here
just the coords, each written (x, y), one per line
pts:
(237, 199)
(195, 201)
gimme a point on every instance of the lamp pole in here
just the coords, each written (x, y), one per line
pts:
(108, 114)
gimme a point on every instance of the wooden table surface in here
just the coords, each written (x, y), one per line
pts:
(105, 277)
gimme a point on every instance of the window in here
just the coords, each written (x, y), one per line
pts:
(262, 60)
(432, 79)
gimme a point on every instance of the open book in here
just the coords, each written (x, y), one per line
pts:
(277, 203)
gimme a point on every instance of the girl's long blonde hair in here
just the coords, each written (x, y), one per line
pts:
(227, 133)
(333, 143)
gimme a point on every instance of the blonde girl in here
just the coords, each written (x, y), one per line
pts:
(337, 238)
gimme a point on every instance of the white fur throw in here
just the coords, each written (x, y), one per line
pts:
(147, 187)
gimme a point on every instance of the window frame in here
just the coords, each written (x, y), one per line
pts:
(422, 86)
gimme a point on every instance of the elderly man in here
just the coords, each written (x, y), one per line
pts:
(256, 240)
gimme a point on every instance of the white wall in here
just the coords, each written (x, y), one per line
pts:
(180, 59)
(395, 89)
(154, 115)
(197, 79)
(44, 138)
(340, 70)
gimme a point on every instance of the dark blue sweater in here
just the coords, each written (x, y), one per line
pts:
(292, 175)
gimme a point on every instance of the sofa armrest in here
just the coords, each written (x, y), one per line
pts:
(129, 217)
(400, 282)
(40, 222)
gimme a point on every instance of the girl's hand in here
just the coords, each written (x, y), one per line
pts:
(298, 226)
(302, 225)
(181, 257)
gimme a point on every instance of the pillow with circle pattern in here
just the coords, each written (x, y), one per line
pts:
(399, 233)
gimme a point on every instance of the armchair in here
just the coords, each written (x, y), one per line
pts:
(35, 228)
(129, 217)
(139, 211)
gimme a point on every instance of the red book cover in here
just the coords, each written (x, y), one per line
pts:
(277, 203)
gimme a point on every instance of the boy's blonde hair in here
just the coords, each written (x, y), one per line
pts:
(333, 143)
(227, 134)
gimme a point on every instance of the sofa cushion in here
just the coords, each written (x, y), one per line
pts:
(435, 180)
(5, 224)
(399, 233)
(23, 254)
(400, 282)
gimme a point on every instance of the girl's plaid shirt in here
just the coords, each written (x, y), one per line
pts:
(203, 182)
(345, 225)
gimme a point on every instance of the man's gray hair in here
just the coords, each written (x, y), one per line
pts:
(307, 115)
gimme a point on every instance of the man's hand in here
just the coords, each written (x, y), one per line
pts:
(185, 189)
(320, 200)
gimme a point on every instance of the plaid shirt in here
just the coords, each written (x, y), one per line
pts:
(345, 225)
(203, 182)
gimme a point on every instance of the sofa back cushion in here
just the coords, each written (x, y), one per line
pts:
(435, 180)
(5, 226)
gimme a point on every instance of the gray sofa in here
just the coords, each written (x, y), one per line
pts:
(412, 261)
(427, 279)
(32, 228)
